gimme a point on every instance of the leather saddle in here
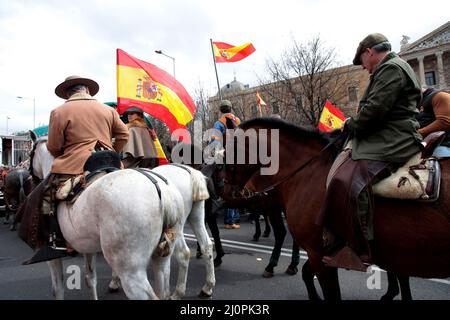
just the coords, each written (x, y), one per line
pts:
(96, 166)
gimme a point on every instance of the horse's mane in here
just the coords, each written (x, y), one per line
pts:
(308, 132)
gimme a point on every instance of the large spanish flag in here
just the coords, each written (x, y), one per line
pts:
(224, 52)
(142, 84)
(331, 118)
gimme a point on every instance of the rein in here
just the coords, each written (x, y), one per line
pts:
(247, 193)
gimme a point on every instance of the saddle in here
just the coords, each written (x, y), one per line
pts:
(96, 166)
(419, 179)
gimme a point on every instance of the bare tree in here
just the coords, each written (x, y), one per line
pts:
(302, 79)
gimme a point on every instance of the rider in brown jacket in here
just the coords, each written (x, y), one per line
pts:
(76, 129)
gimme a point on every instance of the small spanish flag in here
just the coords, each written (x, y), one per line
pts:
(224, 52)
(331, 118)
(144, 85)
(259, 100)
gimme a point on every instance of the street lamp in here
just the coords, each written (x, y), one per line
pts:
(7, 118)
(173, 59)
(34, 108)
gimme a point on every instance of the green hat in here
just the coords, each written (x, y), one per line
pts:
(368, 42)
(226, 103)
(134, 109)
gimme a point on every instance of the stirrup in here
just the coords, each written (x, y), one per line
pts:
(47, 253)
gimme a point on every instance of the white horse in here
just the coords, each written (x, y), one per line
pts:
(192, 186)
(120, 215)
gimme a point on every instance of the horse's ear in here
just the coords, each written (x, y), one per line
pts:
(33, 136)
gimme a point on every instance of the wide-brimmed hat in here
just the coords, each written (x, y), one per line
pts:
(134, 109)
(368, 42)
(71, 81)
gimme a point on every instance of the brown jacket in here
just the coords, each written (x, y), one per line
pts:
(140, 143)
(75, 128)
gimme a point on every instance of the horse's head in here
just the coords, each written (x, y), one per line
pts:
(268, 150)
(40, 158)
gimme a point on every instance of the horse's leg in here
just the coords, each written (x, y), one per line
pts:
(196, 219)
(393, 289)
(56, 273)
(130, 260)
(328, 278)
(114, 285)
(295, 260)
(255, 218)
(182, 254)
(279, 231)
(267, 230)
(212, 224)
(404, 287)
(7, 214)
(161, 272)
(91, 274)
(308, 278)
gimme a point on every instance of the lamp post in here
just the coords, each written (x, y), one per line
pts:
(7, 131)
(173, 59)
(34, 108)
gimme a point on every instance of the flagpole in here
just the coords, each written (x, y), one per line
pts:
(215, 68)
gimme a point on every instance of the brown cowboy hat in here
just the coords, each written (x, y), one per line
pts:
(71, 81)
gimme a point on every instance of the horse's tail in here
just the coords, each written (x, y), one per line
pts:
(172, 210)
(199, 186)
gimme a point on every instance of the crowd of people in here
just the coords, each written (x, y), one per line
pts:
(386, 131)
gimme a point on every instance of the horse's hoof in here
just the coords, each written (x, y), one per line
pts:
(12, 228)
(255, 239)
(291, 270)
(5, 222)
(204, 295)
(217, 262)
(266, 235)
(113, 290)
(198, 255)
(267, 274)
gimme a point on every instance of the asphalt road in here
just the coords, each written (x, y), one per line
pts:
(238, 278)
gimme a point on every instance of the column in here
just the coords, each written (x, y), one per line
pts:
(421, 71)
(440, 70)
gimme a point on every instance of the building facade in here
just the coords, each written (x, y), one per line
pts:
(429, 56)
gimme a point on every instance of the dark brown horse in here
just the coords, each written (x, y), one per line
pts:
(17, 185)
(411, 238)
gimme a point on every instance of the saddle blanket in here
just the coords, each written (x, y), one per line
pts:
(411, 181)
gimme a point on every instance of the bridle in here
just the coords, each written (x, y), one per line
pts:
(247, 193)
(36, 179)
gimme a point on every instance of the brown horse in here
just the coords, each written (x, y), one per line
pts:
(411, 238)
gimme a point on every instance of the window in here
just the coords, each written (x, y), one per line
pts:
(430, 79)
(352, 94)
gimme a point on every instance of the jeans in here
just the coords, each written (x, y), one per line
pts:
(231, 216)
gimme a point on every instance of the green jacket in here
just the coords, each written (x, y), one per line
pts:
(385, 128)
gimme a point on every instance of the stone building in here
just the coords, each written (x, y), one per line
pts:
(429, 56)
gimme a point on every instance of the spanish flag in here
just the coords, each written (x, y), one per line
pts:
(331, 118)
(161, 155)
(224, 52)
(144, 85)
(259, 100)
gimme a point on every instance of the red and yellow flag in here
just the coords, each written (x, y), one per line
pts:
(259, 100)
(331, 118)
(144, 85)
(224, 52)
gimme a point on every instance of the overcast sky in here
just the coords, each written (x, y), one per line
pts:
(44, 41)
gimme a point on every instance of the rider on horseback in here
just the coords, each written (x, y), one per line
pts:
(76, 129)
(384, 136)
